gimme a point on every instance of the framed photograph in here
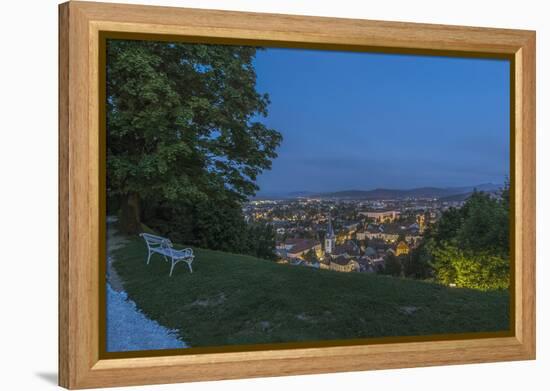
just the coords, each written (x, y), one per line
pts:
(246, 195)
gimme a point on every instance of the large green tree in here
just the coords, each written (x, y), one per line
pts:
(182, 125)
(470, 246)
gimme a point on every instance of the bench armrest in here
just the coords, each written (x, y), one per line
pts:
(186, 251)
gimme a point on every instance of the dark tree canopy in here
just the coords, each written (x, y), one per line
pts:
(416, 264)
(392, 265)
(182, 124)
(212, 224)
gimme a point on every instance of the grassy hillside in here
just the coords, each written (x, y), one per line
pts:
(237, 299)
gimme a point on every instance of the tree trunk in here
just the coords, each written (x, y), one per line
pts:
(130, 214)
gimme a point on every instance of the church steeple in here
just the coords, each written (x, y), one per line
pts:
(330, 238)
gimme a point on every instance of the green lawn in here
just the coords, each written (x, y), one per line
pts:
(237, 299)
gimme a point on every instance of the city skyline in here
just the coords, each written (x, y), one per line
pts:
(361, 121)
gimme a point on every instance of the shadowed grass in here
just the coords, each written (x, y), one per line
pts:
(238, 299)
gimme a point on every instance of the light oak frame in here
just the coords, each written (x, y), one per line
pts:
(80, 24)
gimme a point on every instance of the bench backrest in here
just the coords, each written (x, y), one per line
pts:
(156, 241)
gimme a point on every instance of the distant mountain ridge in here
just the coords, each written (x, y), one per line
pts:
(456, 197)
(419, 192)
(443, 193)
(450, 193)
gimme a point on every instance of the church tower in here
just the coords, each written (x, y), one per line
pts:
(421, 221)
(330, 238)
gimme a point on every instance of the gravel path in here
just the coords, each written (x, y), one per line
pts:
(127, 327)
(114, 242)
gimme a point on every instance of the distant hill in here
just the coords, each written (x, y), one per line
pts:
(283, 196)
(296, 194)
(384, 194)
(487, 187)
(420, 192)
(456, 197)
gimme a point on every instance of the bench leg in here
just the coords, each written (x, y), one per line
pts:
(172, 268)
(174, 264)
(149, 257)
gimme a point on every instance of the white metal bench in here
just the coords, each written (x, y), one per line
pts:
(164, 247)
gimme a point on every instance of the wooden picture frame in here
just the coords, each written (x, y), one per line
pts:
(80, 178)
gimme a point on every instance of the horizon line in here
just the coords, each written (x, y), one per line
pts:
(382, 188)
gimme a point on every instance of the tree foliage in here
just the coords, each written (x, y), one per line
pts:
(212, 224)
(184, 142)
(182, 122)
(392, 265)
(477, 270)
(417, 264)
(469, 246)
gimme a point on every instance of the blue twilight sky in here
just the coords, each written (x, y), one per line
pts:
(362, 120)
